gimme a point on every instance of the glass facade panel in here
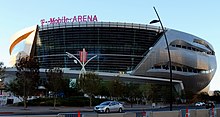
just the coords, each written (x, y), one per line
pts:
(117, 48)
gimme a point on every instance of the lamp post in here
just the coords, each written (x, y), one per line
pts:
(83, 61)
(168, 50)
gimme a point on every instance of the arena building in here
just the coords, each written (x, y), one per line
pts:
(134, 52)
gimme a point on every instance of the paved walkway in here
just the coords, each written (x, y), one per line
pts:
(40, 109)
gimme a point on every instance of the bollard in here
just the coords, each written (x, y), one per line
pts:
(187, 112)
(213, 114)
(78, 113)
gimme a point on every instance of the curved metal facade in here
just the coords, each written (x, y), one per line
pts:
(193, 60)
(136, 49)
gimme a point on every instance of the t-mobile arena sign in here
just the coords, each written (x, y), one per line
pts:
(64, 19)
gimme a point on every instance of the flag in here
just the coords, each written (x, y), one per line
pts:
(83, 55)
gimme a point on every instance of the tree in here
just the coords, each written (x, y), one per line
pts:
(54, 82)
(133, 92)
(90, 84)
(2, 71)
(116, 87)
(203, 96)
(154, 92)
(164, 93)
(104, 89)
(216, 93)
(216, 96)
(145, 91)
(27, 78)
(189, 95)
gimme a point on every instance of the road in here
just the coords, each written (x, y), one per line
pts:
(89, 111)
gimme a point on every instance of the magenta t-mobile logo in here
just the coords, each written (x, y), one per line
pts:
(64, 19)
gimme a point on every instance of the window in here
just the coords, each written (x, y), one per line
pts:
(184, 69)
(157, 67)
(190, 48)
(195, 70)
(190, 70)
(179, 46)
(165, 67)
(178, 68)
(184, 47)
(173, 68)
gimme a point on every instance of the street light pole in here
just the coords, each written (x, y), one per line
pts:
(83, 63)
(168, 50)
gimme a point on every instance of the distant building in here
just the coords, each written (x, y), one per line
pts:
(135, 52)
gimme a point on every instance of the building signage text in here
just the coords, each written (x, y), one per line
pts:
(64, 19)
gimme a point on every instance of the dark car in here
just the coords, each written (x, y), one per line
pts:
(210, 105)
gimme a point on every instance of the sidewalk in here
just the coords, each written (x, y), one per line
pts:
(41, 110)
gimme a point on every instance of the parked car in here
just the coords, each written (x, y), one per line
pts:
(200, 104)
(210, 105)
(109, 106)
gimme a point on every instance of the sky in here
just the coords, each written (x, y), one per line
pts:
(198, 17)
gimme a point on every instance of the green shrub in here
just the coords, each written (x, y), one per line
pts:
(96, 101)
(77, 101)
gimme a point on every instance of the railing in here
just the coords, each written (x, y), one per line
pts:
(100, 24)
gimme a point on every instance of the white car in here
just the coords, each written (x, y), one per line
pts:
(200, 104)
(109, 106)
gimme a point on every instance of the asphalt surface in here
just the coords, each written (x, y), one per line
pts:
(35, 110)
(47, 110)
